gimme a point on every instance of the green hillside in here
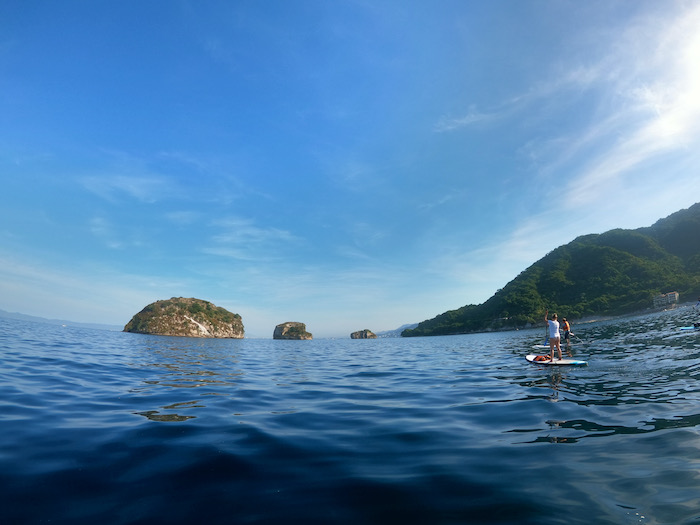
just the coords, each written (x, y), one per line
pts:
(613, 273)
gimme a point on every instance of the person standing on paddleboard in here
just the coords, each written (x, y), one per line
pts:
(566, 327)
(553, 334)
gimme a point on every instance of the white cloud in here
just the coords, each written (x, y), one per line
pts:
(660, 109)
(103, 230)
(439, 202)
(473, 116)
(143, 188)
(647, 82)
(241, 230)
(84, 293)
(242, 239)
(183, 218)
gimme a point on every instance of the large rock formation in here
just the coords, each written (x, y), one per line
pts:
(291, 330)
(186, 318)
(363, 334)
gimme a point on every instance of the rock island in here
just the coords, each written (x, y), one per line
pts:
(291, 330)
(363, 334)
(185, 317)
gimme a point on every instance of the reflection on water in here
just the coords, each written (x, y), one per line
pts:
(153, 415)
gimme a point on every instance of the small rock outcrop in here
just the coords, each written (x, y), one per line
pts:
(184, 317)
(363, 334)
(291, 330)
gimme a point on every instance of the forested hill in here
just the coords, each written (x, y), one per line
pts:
(613, 273)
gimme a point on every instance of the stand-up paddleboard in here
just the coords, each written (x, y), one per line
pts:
(690, 327)
(546, 347)
(545, 360)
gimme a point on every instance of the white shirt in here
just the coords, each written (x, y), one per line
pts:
(553, 329)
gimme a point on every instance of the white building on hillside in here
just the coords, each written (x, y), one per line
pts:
(666, 299)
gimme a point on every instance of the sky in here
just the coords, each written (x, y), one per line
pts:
(350, 165)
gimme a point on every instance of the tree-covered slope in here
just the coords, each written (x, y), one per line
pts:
(613, 273)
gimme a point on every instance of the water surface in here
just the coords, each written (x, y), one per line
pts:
(110, 427)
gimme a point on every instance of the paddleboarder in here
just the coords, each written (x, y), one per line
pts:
(553, 334)
(567, 330)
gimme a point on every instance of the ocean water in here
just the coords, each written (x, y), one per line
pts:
(106, 427)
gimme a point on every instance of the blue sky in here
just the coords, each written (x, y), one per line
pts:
(346, 164)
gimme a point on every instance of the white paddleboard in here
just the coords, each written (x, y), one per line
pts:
(689, 327)
(532, 358)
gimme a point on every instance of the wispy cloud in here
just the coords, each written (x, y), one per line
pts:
(658, 87)
(29, 286)
(650, 79)
(437, 203)
(646, 84)
(113, 188)
(473, 116)
(242, 239)
(183, 218)
(360, 240)
(351, 173)
(102, 229)
(117, 236)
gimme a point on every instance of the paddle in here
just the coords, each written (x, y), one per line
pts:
(577, 337)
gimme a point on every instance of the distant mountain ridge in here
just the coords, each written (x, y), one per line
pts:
(613, 273)
(397, 332)
(33, 318)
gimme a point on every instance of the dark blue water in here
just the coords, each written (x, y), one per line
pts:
(108, 427)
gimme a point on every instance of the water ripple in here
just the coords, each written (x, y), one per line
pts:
(125, 428)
